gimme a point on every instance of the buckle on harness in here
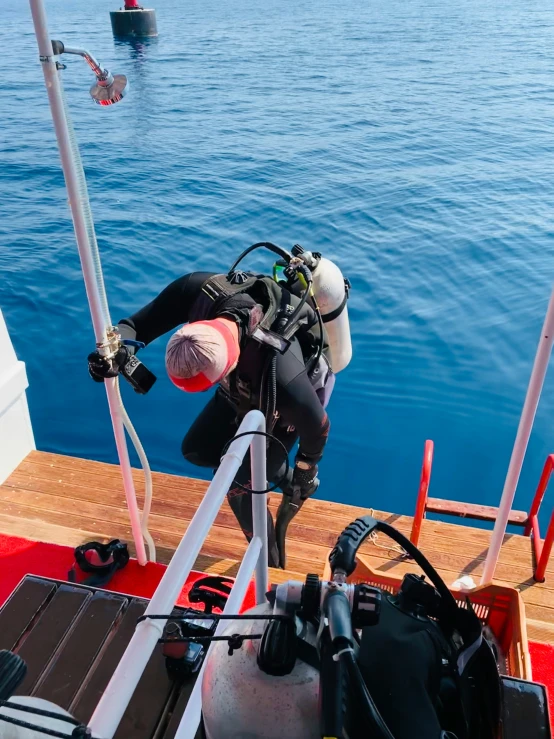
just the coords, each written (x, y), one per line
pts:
(269, 338)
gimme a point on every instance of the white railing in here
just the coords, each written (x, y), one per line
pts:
(526, 422)
(121, 687)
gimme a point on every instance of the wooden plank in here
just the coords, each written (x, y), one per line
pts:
(232, 543)
(37, 530)
(303, 556)
(519, 546)
(61, 680)
(93, 687)
(149, 700)
(323, 515)
(178, 710)
(100, 476)
(20, 610)
(53, 624)
(473, 510)
(538, 613)
(540, 631)
(55, 534)
(311, 534)
(331, 522)
(173, 487)
(509, 568)
(98, 511)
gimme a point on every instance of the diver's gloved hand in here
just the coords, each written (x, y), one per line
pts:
(304, 480)
(100, 368)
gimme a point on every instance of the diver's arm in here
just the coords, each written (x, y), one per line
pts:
(170, 309)
(300, 407)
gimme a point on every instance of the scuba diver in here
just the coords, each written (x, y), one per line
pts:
(262, 340)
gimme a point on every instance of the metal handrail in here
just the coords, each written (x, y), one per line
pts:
(423, 491)
(121, 687)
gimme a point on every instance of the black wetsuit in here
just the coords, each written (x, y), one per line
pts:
(301, 415)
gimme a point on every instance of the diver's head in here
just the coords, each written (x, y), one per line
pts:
(202, 353)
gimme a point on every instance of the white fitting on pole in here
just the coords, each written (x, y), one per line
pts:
(193, 711)
(526, 421)
(99, 319)
(118, 693)
(259, 511)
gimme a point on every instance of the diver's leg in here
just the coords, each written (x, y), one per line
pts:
(276, 464)
(240, 500)
(209, 433)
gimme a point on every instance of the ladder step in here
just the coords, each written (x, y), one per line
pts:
(472, 510)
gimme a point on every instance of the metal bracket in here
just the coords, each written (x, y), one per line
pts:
(110, 347)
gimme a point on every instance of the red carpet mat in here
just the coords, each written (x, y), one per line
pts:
(542, 662)
(19, 557)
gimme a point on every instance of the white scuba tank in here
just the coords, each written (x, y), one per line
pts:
(9, 731)
(330, 293)
(239, 701)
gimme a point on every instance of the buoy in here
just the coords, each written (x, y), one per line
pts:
(134, 21)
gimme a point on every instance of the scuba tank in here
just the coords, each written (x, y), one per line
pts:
(330, 291)
(239, 699)
(352, 660)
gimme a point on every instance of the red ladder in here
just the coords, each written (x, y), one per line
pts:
(529, 522)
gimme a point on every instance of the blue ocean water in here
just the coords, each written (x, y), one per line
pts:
(411, 142)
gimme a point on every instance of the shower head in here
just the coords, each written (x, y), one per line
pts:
(108, 88)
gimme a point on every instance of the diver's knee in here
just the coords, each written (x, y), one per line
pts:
(192, 455)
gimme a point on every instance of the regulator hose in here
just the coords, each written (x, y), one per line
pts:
(283, 253)
(371, 712)
(317, 357)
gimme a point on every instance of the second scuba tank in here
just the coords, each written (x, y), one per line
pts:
(240, 700)
(331, 293)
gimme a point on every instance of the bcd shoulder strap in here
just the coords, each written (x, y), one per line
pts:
(215, 291)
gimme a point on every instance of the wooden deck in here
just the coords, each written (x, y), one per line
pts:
(66, 500)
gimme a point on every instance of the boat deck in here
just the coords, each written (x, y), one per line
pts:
(66, 500)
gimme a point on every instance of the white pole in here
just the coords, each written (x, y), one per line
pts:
(85, 255)
(259, 510)
(121, 687)
(125, 467)
(193, 711)
(522, 439)
(71, 181)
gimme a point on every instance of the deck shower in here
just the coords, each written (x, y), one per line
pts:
(109, 88)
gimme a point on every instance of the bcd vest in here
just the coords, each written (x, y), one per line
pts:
(221, 297)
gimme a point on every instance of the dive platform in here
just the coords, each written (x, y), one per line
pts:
(69, 501)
